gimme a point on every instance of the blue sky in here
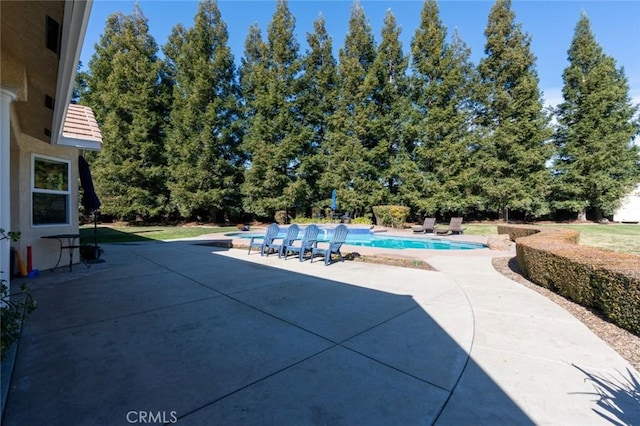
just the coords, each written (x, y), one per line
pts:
(616, 25)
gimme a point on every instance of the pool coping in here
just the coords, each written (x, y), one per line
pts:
(227, 240)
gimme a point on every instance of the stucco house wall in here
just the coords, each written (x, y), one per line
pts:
(45, 252)
(629, 211)
(40, 48)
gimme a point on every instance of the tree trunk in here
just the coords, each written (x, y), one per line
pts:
(582, 215)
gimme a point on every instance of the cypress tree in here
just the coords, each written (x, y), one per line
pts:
(205, 165)
(252, 72)
(383, 118)
(347, 169)
(318, 97)
(597, 162)
(516, 141)
(276, 139)
(127, 87)
(442, 88)
(79, 85)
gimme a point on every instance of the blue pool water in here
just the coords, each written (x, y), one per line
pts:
(365, 238)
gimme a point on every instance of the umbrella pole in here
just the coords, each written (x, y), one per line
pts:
(96, 249)
(95, 231)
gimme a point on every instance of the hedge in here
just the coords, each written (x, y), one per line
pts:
(592, 277)
(394, 216)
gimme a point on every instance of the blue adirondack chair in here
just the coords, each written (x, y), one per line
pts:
(309, 239)
(339, 237)
(265, 242)
(287, 240)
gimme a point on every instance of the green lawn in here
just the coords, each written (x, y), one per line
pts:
(476, 228)
(617, 237)
(624, 238)
(127, 234)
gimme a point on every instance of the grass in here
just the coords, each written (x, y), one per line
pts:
(623, 238)
(477, 228)
(129, 234)
(616, 237)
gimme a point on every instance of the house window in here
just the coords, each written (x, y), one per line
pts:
(50, 194)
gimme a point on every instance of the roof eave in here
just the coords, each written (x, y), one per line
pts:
(80, 143)
(74, 27)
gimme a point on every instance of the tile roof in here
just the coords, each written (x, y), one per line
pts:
(80, 123)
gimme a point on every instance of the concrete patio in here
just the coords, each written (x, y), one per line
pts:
(188, 333)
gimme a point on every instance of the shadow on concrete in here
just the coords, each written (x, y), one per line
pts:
(106, 235)
(617, 397)
(172, 331)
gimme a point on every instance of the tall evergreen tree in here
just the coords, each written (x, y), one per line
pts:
(127, 88)
(443, 85)
(254, 89)
(79, 85)
(384, 117)
(205, 164)
(253, 69)
(318, 99)
(276, 138)
(515, 146)
(347, 169)
(597, 162)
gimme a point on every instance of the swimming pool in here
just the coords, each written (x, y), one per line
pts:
(365, 238)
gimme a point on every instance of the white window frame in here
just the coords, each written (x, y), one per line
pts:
(34, 190)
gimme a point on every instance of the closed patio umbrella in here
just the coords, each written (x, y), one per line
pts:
(90, 202)
(334, 200)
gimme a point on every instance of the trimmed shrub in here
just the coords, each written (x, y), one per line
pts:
(306, 220)
(393, 216)
(281, 217)
(362, 220)
(592, 277)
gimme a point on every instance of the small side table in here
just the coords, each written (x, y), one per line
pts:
(70, 246)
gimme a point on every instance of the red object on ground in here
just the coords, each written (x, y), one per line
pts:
(29, 259)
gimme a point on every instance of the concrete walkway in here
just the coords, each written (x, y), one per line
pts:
(184, 332)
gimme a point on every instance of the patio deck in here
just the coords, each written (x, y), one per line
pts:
(205, 335)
